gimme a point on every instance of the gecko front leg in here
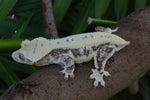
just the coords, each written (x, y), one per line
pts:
(100, 59)
(68, 64)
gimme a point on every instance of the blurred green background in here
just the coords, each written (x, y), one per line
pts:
(20, 19)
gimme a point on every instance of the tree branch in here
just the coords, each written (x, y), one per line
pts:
(127, 66)
(49, 19)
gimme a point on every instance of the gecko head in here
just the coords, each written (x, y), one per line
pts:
(20, 56)
(31, 51)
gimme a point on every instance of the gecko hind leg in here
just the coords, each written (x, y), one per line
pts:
(100, 59)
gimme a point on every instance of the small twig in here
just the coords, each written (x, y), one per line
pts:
(101, 22)
(49, 19)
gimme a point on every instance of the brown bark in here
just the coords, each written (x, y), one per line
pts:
(128, 65)
(49, 19)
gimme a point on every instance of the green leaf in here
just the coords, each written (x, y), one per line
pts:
(120, 7)
(18, 67)
(7, 74)
(60, 8)
(2, 91)
(26, 5)
(140, 4)
(101, 7)
(23, 27)
(124, 8)
(148, 2)
(8, 27)
(110, 15)
(145, 88)
(5, 7)
(86, 11)
(114, 98)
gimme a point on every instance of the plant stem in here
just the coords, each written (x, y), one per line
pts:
(100, 22)
(9, 45)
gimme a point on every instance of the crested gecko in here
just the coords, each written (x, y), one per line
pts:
(67, 51)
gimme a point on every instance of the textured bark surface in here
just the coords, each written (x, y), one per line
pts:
(49, 19)
(127, 66)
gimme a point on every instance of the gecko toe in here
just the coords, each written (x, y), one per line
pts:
(105, 73)
(102, 83)
(62, 72)
(95, 83)
(66, 77)
(72, 75)
(91, 76)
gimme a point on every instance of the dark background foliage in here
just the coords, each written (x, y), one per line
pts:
(20, 19)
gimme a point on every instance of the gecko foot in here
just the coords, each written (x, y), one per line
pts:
(71, 74)
(98, 77)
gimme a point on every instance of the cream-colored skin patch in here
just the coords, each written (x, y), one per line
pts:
(67, 51)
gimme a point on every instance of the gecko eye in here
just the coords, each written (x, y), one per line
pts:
(21, 56)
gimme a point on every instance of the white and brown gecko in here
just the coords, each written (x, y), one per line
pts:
(67, 51)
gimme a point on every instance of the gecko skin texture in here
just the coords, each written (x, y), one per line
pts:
(67, 51)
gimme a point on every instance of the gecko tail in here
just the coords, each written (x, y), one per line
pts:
(106, 29)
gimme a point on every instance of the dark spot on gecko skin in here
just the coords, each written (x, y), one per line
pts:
(66, 59)
(72, 39)
(108, 50)
(100, 63)
(69, 69)
(57, 42)
(94, 48)
(85, 37)
(76, 52)
(24, 88)
(41, 44)
(67, 40)
(57, 52)
(48, 59)
(110, 62)
(92, 36)
(86, 52)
